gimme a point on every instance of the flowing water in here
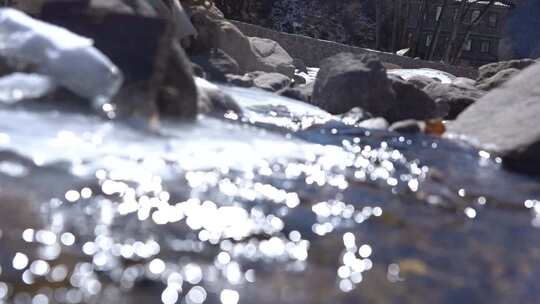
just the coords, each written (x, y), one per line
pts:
(285, 204)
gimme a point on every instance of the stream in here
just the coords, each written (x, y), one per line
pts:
(285, 204)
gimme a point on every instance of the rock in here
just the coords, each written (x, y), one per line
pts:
(391, 66)
(272, 82)
(300, 65)
(216, 64)
(457, 97)
(251, 53)
(497, 80)
(377, 123)
(436, 75)
(271, 57)
(160, 61)
(505, 122)
(299, 92)
(463, 82)
(299, 80)
(408, 126)
(354, 116)
(216, 32)
(245, 81)
(421, 81)
(350, 80)
(489, 70)
(411, 102)
(213, 100)
(176, 93)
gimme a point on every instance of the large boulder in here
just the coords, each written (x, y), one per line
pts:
(411, 102)
(271, 57)
(421, 81)
(272, 82)
(505, 121)
(489, 70)
(350, 80)
(216, 64)
(148, 54)
(302, 92)
(457, 97)
(488, 84)
(252, 54)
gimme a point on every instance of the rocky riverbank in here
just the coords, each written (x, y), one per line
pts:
(176, 171)
(162, 78)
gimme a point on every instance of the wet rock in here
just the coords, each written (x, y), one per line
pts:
(160, 61)
(349, 80)
(213, 100)
(272, 82)
(216, 64)
(421, 81)
(300, 65)
(245, 81)
(489, 70)
(408, 126)
(463, 82)
(298, 79)
(505, 122)
(299, 92)
(497, 80)
(354, 116)
(271, 57)
(176, 93)
(411, 102)
(457, 97)
(377, 123)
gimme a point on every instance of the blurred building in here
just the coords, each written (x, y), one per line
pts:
(481, 47)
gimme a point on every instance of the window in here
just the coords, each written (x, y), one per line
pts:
(428, 39)
(475, 14)
(438, 13)
(485, 46)
(492, 20)
(467, 46)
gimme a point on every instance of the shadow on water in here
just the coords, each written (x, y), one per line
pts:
(228, 212)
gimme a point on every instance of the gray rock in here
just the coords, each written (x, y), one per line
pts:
(505, 122)
(216, 32)
(350, 80)
(300, 92)
(489, 70)
(272, 82)
(421, 81)
(377, 123)
(463, 82)
(300, 65)
(457, 97)
(212, 100)
(271, 57)
(354, 116)
(216, 64)
(251, 53)
(298, 79)
(245, 81)
(497, 80)
(408, 126)
(158, 69)
(411, 102)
